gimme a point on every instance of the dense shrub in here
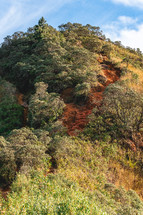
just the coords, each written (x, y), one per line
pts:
(106, 49)
(82, 91)
(44, 107)
(28, 149)
(11, 113)
(101, 126)
(49, 195)
(21, 152)
(11, 116)
(7, 162)
(125, 105)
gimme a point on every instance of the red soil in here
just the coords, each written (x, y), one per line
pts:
(75, 117)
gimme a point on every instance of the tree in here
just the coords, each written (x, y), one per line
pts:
(82, 91)
(21, 151)
(139, 52)
(118, 43)
(42, 22)
(7, 161)
(125, 106)
(44, 107)
(39, 29)
(126, 60)
(28, 150)
(11, 113)
(106, 50)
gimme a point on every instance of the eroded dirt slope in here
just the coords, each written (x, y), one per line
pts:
(75, 117)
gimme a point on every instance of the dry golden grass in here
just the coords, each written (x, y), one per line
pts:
(86, 164)
(133, 77)
(81, 164)
(126, 178)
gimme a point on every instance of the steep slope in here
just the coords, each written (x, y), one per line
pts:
(75, 117)
(51, 172)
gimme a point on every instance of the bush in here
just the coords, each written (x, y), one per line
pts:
(7, 162)
(11, 116)
(44, 107)
(11, 113)
(50, 194)
(21, 152)
(125, 106)
(106, 49)
(101, 126)
(135, 200)
(82, 91)
(28, 149)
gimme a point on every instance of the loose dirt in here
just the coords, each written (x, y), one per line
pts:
(75, 117)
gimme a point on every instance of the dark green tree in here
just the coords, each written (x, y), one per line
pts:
(126, 106)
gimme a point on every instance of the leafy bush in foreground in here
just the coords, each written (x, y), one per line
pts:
(21, 152)
(55, 195)
(49, 195)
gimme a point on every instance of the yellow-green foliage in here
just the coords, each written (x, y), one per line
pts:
(22, 151)
(78, 186)
(132, 72)
(81, 161)
(49, 195)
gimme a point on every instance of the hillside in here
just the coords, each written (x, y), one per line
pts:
(75, 117)
(71, 123)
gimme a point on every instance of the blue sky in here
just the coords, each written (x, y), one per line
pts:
(119, 19)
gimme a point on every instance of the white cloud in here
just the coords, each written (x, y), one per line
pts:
(126, 20)
(132, 3)
(132, 38)
(126, 30)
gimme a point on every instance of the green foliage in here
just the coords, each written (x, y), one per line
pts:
(10, 117)
(101, 126)
(49, 195)
(92, 44)
(106, 49)
(44, 107)
(66, 61)
(126, 106)
(7, 162)
(44, 54)
(56, 128)
(82, 91)
(28, 149)
(127, 60)
(121, 115)
(60, 193)
(11, 113)
(43, 136)
(131, 204)
(22, 151)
